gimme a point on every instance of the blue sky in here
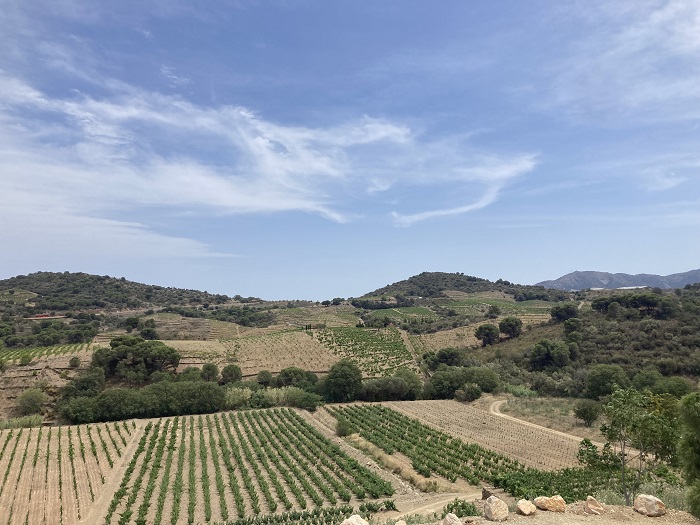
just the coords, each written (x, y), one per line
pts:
(314, 149)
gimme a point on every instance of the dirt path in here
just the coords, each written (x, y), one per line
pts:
(495, 408)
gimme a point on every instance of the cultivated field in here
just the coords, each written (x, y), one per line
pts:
(531, 445)
(275, 351)
(377, 352)
(55, 475)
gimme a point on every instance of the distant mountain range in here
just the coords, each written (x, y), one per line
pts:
(583, 280)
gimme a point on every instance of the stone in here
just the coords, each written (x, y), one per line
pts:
(451, 519)
(553, 504)
(649, 505)
(592, 506)
(525, 507)
(400, 522)
(495, 509)
(354, 520)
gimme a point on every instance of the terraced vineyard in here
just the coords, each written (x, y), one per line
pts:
(515, 439)
(55, 475)
(433, 452)
(278, 350)
(376, 352)
(17, 354)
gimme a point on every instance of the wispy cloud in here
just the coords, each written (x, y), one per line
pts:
(173, 79)
(637, 59)
(93, 160)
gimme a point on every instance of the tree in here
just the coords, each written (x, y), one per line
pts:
(493, 312)
(587, 411)
(210, 372)
(30, 401)
(264, 377)
(602, 379)
(563, 312)
(547, 355)
(488, 334)
(468, 393)
(511, 326)
(689, 448)
(343, 382)
(74, 362)
(645, 422)
(231, 374)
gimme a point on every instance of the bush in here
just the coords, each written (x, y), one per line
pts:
(30, 401)
(74, 362)
(460, 508)
(468, 393)
(210, 372)
(231, 374)
(587, 411)
(343, 427)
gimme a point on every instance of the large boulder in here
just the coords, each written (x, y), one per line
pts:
(451, 519)
(525, 507)
(649, 505)
(354, 520)
(495, 509)
(593, 507)
(553, 504)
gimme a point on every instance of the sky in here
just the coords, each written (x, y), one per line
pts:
(310, 149)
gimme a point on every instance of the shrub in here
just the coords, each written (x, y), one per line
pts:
(587, 411)
(343, 427)
(468, 393)
(460, 508)
(30, 401)
(74, 362)
(210, 372)
(231, 374)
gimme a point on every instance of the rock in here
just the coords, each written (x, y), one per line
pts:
(451, 519)
(525, 507)
(553, 504)
(486, 493)
(495, 509)
(649, 505)
(354, 520)
(400, 522)
(593, 507)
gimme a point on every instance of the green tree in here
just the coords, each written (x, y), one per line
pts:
(587, 411)
(547, 355)
(488, 334)
(689, 448)
(645, 422)
(30, 401)
(563, 312)
(343, 382)
(264, 378)
(231, 374)
(602, 379)
(210, 372)
(493, 312)
(511, 326)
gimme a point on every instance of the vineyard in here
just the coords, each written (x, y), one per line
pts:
(433, 452)
(28, 354)
(515, 439)
(236, 465)
(278, 350)
(55, 475)
(376, 352)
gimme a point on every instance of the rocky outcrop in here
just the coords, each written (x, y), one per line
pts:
(495, 509)
(553, 504)
(593, 507)
(525, 507)
(451, 519)
(354, 520)
(649, 505)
